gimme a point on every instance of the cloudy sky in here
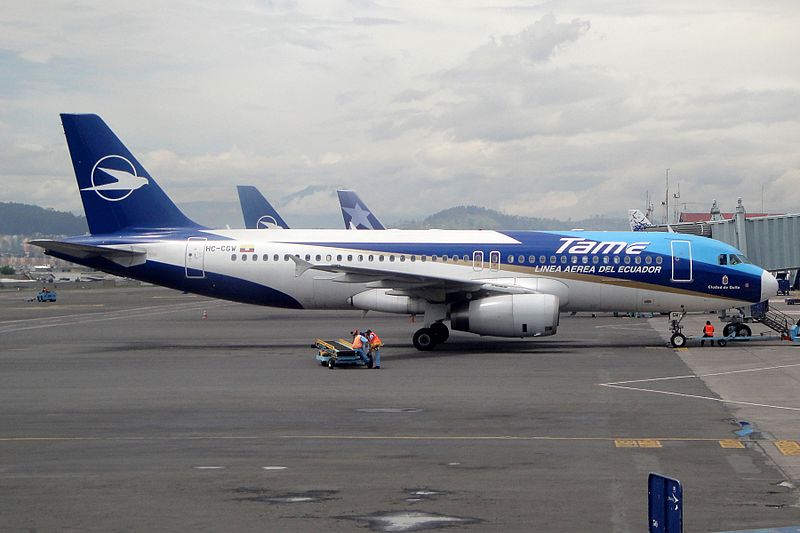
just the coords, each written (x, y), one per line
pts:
(559, 109)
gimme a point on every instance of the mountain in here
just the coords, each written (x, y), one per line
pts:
(24, 219)
(474, 217)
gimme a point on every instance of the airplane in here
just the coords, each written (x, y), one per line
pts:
(497, 283)
(257, 212)
(355, 212)
(638, 221)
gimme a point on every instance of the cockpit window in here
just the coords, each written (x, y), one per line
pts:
(734, 259)
(744, 259)
(723, 259)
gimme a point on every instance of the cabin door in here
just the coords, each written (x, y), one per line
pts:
(681, 261)
(195, 257)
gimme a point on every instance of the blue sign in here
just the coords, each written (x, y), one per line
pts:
(664, 504)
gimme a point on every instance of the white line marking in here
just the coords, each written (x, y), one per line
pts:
(621, 385)
(209, 467)
(273, 468)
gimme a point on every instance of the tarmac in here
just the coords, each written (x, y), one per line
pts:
(126, 410)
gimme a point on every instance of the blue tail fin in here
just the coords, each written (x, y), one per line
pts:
(258, 213)
(117, 192)
(355, 212)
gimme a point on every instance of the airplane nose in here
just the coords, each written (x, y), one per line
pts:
(769, 286)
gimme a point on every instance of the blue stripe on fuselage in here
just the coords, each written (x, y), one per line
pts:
(213, 285)
(743, 281)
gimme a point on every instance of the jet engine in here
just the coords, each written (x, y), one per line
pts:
(379, 300)
(513, 315)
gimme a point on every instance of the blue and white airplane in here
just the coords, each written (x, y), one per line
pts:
(257, 212)
(355, 212)
(500, 283)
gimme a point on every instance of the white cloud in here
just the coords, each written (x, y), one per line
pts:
(564, 109)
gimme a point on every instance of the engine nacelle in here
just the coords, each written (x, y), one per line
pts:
(513, 315)
(378, 300)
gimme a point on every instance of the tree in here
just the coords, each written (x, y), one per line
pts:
(7, 270)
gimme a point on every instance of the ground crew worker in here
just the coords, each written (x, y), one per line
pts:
(375, 345)
(361, 346)
(708, 331)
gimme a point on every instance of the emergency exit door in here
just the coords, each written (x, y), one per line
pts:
(195, 257)
(681, 261)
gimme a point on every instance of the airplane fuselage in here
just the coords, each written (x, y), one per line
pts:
(588, 271)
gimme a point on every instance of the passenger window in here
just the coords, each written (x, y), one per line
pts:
(585, 259)
(521, 259)
(308, 257)
(360, 257)
(265, 257)
(595, 259)
(434, 258)
(423, 258)
(465, 258)
(391, 258)
(275, 257)
(638, 260)
(574, 259)
(255, 257)
(338, 257)
(659, 260)
(627, 260)
(723, 259)
(542, 259)
(371, 258)
(318, 257)
(564, 259)
(233, 257)
(286, 257)
(531, 259)
(616, 259)
(648, 260)
(244, 257)
(444, 258)
(605, 259)
(402, 259)
(329, 257)
(510, 259)
(380, 258)
(349, 257)
(413, 258)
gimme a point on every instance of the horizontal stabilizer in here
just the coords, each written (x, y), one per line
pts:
(121, 254)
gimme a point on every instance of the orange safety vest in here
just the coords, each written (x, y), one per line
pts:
(374, 340)
(708, 330)
(357, 342)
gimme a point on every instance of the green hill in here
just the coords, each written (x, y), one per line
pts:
(23, 219)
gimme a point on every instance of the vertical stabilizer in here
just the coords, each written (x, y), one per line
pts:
(117, 192)
(257, 212)
(355, 212)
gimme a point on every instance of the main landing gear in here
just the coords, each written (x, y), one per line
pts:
(427, 338)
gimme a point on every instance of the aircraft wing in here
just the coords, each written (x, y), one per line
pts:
(121, 254)
(428, 287)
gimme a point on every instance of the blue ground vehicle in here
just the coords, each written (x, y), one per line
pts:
(46, 295)
(338, 353)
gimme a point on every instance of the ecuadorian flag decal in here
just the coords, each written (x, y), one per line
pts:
(246, 249)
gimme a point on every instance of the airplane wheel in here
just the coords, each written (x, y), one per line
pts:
(728, 330)
(331, 363)
(424, 340)
(678, 340)
(743, 331)
(440, 332)
(722, 343)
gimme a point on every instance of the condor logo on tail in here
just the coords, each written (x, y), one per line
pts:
(123, 174)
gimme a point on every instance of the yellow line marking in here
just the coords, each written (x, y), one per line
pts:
(649, 443)
(626, 443)
(731, 443)
(681, 349)
(788, 447)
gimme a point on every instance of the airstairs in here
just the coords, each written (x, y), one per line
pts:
(774, 320)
